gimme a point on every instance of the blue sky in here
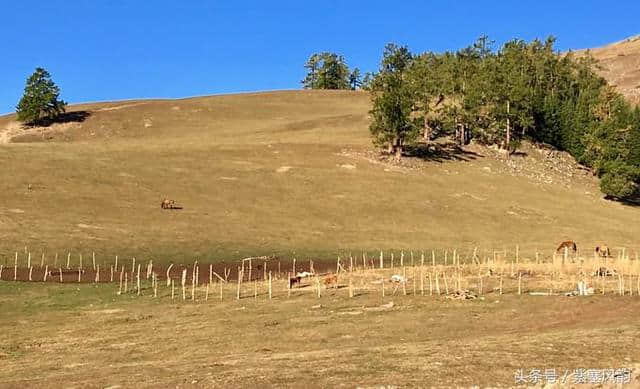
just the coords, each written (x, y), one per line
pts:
(111, 50)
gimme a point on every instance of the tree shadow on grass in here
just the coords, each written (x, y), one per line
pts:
(633, 201)
(440, 152)
(66, 117)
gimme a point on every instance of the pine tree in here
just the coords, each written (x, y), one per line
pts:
(326, 71)
(40, 103)
(355, 80)
(392, 96)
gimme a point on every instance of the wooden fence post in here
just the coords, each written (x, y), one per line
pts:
(404, 278)
(138, 280)
(154, 279)
(240, 276)
(270, 295)
(184, 283)
(169, 274)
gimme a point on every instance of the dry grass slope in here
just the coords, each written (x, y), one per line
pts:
(620, 63)
(277, 172)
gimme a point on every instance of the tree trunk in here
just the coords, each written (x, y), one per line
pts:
(508, 127)
(398, 152)
(427, 129)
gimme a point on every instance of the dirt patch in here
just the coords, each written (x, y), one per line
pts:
(117, 107)
(226, 270)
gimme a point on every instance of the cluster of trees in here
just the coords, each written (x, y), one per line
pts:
(40, 103)
(330, 71)
(520, 91)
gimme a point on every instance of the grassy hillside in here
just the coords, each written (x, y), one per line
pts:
(620, 64)
(277, 172)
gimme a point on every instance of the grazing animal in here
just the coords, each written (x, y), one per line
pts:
(569, 244)
(398, 278)
(603, 251)
(304, 274)
(167, 204)
(294, 281)
(331, 279)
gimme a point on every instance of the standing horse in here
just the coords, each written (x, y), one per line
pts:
(569, 244)
(603, 251)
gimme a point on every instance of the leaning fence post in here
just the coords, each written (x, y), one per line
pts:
(169, 274)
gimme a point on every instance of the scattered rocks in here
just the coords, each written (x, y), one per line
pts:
(462, 295)
(383, 307)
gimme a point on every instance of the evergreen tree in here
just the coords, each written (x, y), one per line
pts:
(326, 71)
(522, 91)
(355, 80)
(40, 103)
(392, 96)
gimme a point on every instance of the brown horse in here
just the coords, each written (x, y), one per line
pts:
(569, 244)
(293, 281)
(603, 251)
(167, 204)
(331, 279)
